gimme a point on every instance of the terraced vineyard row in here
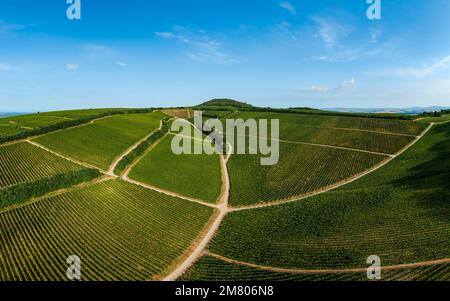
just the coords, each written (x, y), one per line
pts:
(209, 268)
(399, 212)
(370, 124)
(302, 169)
(101, 142)
(197, 176)
(24, 162)
(119, 230)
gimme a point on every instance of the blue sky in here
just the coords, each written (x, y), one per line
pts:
(141, 53)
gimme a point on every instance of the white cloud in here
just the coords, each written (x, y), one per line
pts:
(165, 35)
(4, 67)
(8, 28)
(121, 64)
(289, 7)
(342, 87)
(346, 85)
(424, 71)
(73, 67)
(200, 46)
(330, 31)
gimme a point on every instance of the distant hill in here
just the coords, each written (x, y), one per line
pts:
(409, 111)
(225, 102)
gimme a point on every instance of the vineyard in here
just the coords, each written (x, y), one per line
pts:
(310, 211)
(104, 140)
(209, 268)
(392, 126)
(15, 124)
(197, 176)
(302, 169)
(400, 212)
(119, 230)
(24, 162)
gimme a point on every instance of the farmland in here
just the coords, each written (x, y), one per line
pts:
(197, 176)
(24, 162)
(102, 141)
(400, 212)
(340, 122)
(159, 218)
(180, 113)
(209, 268)
(302, 169)
(368, 134)
(119, 230)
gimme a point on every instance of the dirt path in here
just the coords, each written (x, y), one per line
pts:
(167, 192)
(337, 185)
(65, 157)
(324, 145)
(224, 209)
(202, 244)
(328, 271)
(130, 149)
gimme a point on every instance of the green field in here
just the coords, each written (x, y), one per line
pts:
(11, 125)
(209, 268)
(368, 134)
(197, 176)
(120, 232)
(302, 169)
(104, 140)
(443, 118)
(399, 212)
(23, 162)
(405, 127)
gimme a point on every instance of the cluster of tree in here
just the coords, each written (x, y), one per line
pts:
(24, 191)
(142, 147)
(67, 124)
(435, 113)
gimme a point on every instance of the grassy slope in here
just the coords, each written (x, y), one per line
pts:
(209, 268)
(23, 162)
(197, 176)
(400, 212)
(119, 230)
(301, 169)
(100, 143)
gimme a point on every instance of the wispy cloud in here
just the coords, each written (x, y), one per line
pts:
(439, 65)
(8, 27)
(4, 67)
(330, 31)
(289, 7)
(346, 85)
(201, 47)
(73, 67)
(120, 64)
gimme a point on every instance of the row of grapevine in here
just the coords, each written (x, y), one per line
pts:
(41, 124)
(301, 169)
(397, 126)
(399, 212)
(120, 232)
(142, 147)
(100, 143)
(24, 162)
(209, 268)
